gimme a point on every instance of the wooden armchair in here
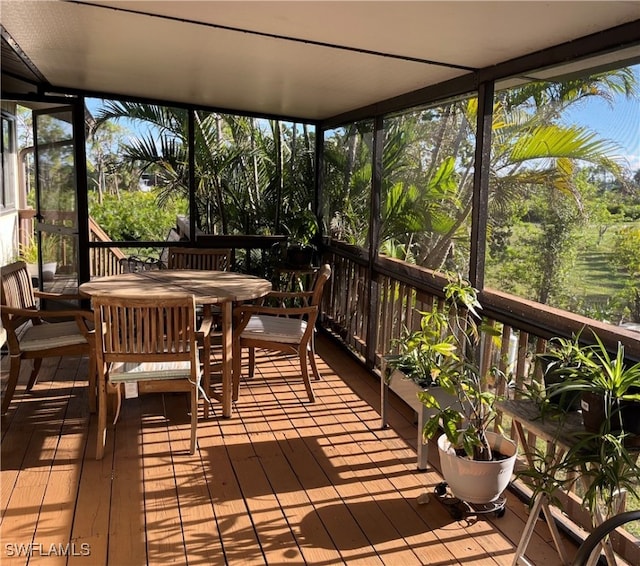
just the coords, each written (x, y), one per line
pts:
(49, 334)
(288, 329)
(152, 342)
(214, 259)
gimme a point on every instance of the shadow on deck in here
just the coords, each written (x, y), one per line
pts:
(283, 481)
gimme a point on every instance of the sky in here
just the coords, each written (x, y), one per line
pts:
(619, 122)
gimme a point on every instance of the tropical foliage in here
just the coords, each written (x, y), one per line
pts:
(251, 176)
(549, 180)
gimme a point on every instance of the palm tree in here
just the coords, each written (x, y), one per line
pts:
(428, 158)
(242, 182)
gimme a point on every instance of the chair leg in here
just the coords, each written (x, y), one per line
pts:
(305, 374)
(118, 390)
(252, 361)
(236, 365)
(314, 367)
(102, 419)
(37, 362)
(14, 373)
(194, 419)
(93, 375)
(206, 374)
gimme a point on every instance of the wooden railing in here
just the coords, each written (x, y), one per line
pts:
(103, 261)
(369, 304)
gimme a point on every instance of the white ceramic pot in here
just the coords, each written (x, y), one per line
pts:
(474, 481)
(48, 270)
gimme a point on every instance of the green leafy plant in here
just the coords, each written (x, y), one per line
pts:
(559, 363)
(29, 252)
(466, 421)
(597, 371)
(605, 467)
(301, 227)
(604, 461)
(425, 353)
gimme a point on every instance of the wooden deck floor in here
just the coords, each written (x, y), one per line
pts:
(283, 482)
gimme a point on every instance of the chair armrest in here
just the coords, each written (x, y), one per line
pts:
(84, 318)
(243, 310)
(58, 296)
(46, 315)
(289, 294)
(204, 330)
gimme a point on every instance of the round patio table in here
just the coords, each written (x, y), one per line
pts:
(208, 287)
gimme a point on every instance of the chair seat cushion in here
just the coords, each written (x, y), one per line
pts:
(149, 371)
(276, 328)
(56, 335)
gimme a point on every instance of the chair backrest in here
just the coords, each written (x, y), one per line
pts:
(16, 289)
(145, 329)
(134, 264)
(318, 285)
(215, 259)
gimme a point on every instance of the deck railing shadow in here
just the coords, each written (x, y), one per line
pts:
(368, 305)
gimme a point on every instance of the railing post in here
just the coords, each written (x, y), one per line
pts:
(374, 243)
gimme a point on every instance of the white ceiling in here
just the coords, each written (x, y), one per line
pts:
(281, 58)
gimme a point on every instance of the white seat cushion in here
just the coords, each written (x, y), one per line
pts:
(149, 371)
(44, 336)
(276, 328)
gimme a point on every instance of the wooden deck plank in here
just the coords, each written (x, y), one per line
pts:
(293, 499)
(277, 542)
(341, 469)
(283, 481)
(222, 452)
(127, 520)
(307, 462)
(53, 530)
(93, 504)
(165, 542)
(25, 503)
(199, 528)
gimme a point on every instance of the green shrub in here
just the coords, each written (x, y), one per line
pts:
(136, 215)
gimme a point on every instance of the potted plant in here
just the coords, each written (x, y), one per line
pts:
(609, 387)
(421, 355)
(301, 229)
(564, 357)
(476, 462)
(424, 353)
(29, 254)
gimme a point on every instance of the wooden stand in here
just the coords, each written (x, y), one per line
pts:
(408, 391)
(559, 437)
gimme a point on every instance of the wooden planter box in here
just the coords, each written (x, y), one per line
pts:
(408, 391)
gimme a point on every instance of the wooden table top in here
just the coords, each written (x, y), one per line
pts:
(206, 286)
